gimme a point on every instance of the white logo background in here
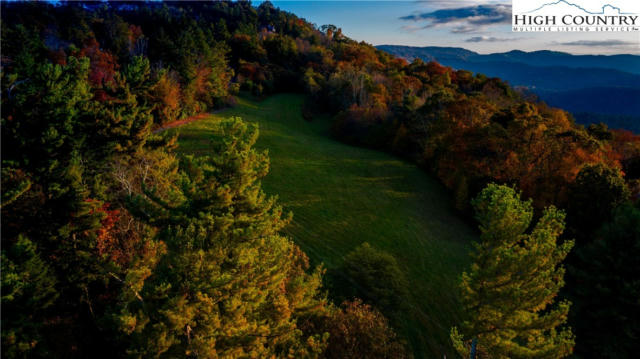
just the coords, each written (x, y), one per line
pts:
(618, 14)
(565, 7)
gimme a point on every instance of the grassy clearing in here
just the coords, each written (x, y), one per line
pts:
(342, 196)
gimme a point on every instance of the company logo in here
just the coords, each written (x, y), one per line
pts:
(575, 15)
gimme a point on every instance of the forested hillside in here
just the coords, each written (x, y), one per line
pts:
(342, 197)
(114, 244)
(593, 88)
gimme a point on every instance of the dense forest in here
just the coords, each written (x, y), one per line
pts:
(593, 88)
(113, 245)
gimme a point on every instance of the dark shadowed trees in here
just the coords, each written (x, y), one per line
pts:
(607, 288)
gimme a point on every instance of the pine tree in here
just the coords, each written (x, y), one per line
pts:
(515, 276)
(28, 289)
(57, 142)
(230, 285)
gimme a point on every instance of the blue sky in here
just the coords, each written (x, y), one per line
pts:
(478, 25)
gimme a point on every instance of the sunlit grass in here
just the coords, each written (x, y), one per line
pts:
(342, 196)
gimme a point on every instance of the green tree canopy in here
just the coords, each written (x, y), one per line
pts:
(374, 276)
(230, 285)
(515, 276)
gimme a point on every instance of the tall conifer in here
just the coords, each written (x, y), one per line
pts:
(230, 284)
(509, 291)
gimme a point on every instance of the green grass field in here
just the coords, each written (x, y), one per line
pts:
(342, 196)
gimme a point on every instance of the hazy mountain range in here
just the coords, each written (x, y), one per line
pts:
(593, 87)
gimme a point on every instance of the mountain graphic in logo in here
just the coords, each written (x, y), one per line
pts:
(615, 8)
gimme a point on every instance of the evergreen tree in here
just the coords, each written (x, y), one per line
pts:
(229, 285)
(28, 289)
(57, 142)
(513, 281)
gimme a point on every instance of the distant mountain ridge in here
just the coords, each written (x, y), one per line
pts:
(625, 63)
(589, 86)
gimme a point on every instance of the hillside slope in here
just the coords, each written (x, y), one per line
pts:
(604, 85)
(342, 196)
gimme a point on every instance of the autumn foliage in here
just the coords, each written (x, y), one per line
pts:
(114, 246)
